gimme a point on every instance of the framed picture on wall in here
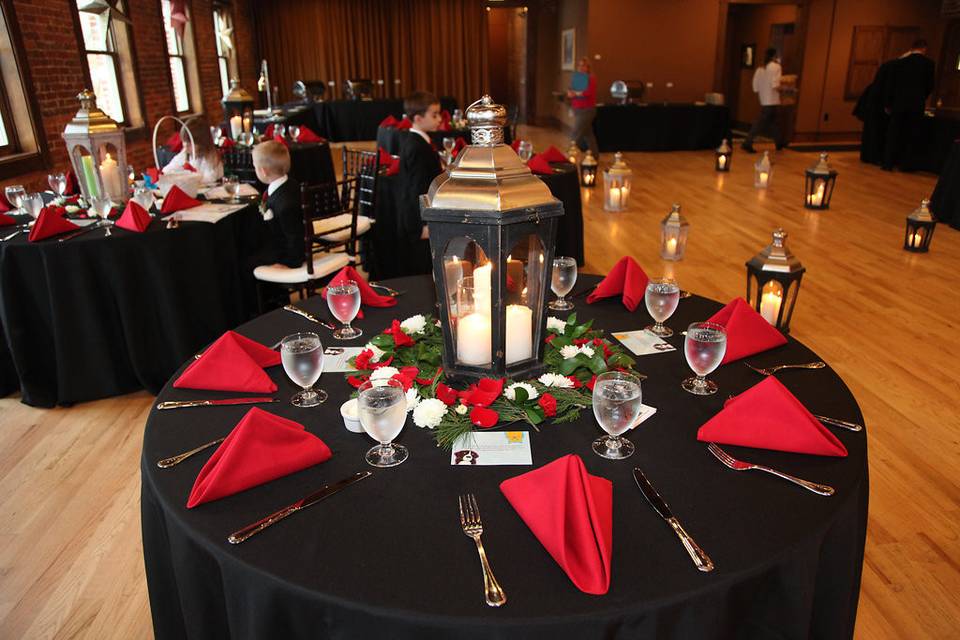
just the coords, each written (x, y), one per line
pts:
(568, 49)
(748, 55)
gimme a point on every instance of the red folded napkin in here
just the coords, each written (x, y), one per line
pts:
(50, 223)
(385, 157)
(174, 143)
(227, 143)
(747, 332)
(232, 363)
(4, 203)
(459, 146)
(307, 135)
(368, 296)
(389, 121)
(571, 514)
(552, 154)
(515, 145)
(627, 278)
(177, 200)
(72, 186)
(394, 167)
(262, 447)
(768, 416)
(189, 167)
(539, 164)
(134, 218)
(404, 124)
(268, 132)
(6, 220)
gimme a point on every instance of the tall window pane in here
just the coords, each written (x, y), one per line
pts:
(176, 53)
(102, 61)
(4, 141)
(103, 74)
(226, 52)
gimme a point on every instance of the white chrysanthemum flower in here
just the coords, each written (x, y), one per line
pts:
(511, 391)
(413, 398)
(555, 380)
(462, 409)
(556, 324)
(569, 351)
(384, 372)
(414, 324)
(428, 413)
(587, 351)
(377, 352)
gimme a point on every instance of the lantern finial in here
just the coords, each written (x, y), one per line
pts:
(724, 147)
(922, 213)
(821, 167)
(90, 118)
(776, 256)
(486, 120)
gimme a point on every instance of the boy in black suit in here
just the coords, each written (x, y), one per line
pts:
(419, 165)
(280, 206)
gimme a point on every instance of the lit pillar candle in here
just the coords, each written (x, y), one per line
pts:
(481, 287)
(722, 162)
(514, 273)
(915, 239)
(473, 339)
(816, 199)
(624, 194)
(110, 176)
(519, 333)
(770, 306)
(247, 123)
(236, 126)
(614, 197)
(764, 176)
(671, 246)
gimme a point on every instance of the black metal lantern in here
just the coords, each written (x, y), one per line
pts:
(493, 226)
(588, 170)
(773, 282)
(819, 181)
(237, 110)
(724, 156)
(920, 227)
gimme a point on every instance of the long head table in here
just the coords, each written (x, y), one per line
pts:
(660, 127)
(386, 557)
(348, 120)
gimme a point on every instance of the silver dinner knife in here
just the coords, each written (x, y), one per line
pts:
(698, 555)
(308, 316)
(325, 492)
(183, 404)
(836, 422)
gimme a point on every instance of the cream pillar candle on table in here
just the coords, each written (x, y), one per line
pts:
(770, 306)
(236, 126)
(482, 276)
(473, 339)
(519, 333)
(111, 178)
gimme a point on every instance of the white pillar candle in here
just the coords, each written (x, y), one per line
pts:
(614, 197)
(112, 181)
(482, 276)
(816, 199)
(624, 194)
(473, 339)
(770, 306)
(764, 176)
(722, 161)
(671, 246)
(519, 333)
(236, 126)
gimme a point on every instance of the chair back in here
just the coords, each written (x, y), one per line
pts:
(329, 209)
(239, 162)
(364, 167)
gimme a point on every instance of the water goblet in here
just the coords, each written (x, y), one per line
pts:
(564, 277)
(246, 139)
(448, 146)
(617, 400)
(302, 358)
(58, 184)
(102, 207)
(662, 296)
(704, 347)
(231, 184)
(15, 194)
(382, 406)
(279, 130)
(216, 135)
(457, 115)
(32, 204)
(143, 196)
(525, 151)
(131, 175)
(294, 132)
(343, 299)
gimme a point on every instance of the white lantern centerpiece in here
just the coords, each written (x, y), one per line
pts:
(97, 150)
(617, 181)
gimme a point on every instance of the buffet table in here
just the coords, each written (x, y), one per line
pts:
(661, 127)
(349, 120)
(387, 558)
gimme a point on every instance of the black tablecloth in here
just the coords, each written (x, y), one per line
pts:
(389, 138)
(945, 201)
(386, 558)
(660, 127)
(94, 317)
(303, 115)
(312, 163)
(933, 143)
(348, 120)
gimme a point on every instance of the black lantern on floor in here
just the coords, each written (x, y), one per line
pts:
(493, 227)
(773, 282)
(818, 184)
(673, 235)
(588, 170)
(920, 227)
(237, 111)
(724, 156)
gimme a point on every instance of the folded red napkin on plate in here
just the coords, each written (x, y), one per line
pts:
(177, 200)
(571, 514)
(174, 143)
(404, 124)
(368, 296)
(232, 363)
(134, 218)
(307, 135)
(768, 416)
(627, 278)
(6, 220)
(50, 223)
(747, 332)
(262, 447)
(552, 154)
(539, 164)
(389, 121)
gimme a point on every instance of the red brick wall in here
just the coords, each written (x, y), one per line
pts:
(55, 59)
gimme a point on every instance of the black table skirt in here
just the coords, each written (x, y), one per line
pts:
(389, 138)
(349, 120)
(312, 163)
(660, 127)
(96, 317)
(564, 184)
(386, 558)
(945, 201)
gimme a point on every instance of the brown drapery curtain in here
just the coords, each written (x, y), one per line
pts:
(430, 45)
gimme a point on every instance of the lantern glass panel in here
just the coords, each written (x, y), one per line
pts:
(762, 177)
(723, 161)
(524, 297)
(111, 173)
(87, 174)
(467, 273)
(616, 191)
(817, 192)
(673, 241)
(588, 175)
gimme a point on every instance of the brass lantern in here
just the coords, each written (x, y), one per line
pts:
(819, 181)
(773, 281)
(920, 227)
(724, 155)
(573, 153)
(493, 227)
(763, 172)
(588, 170)
(237, 111)
(616, 184)
(97, 150)
(673, 235)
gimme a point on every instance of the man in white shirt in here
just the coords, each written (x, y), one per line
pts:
(766, 84)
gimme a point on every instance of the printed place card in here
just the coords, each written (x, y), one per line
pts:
(336, 359)
(492, 448)
(645, 413)
(642, 342)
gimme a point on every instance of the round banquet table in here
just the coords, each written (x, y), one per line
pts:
(386, 557)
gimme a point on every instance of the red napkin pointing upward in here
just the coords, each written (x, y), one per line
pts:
(307, 135)
(134, 218)
(50, 223)
(232, 363)
(747, 332)
(627, 278)
(177, 200)
(552, 154)
(539, 164)
(368, 296)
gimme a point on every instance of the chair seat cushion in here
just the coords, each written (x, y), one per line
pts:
(342, 220)
(323, 265)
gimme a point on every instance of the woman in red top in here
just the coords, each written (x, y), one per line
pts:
(584, 105)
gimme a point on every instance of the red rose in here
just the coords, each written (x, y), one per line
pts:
(549, 405)
(483, 417)
(400, 339)
(447, 395)
(362, 362)
(576, 382)
(592, 382)
(355, 382)
(598, 342)
(606, 351)
(410, 372)
(403, 380)
(581, 341)
(550, 338)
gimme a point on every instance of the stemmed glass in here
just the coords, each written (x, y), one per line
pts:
(15, 194)
(617, 400)
(302, 357)
(143, 196)
(344, 302)
(662, 297)
(448, 145)
(525, 151)
(102, 207)
(294, 132)
(216, 135)
(231, 184)
(58, 184)
(564, 277)
(279, 130)
(457, 117)
(704, 346)
(383, 410)
(33, 204)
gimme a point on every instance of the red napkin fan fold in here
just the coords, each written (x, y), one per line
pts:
(768, 416)
(177, 200)
(174, 143)
(307, 135)
(404, 124)
(747, 332)
(539, 164)
(368, 296)
(50, 223)
(627, 278)
(389, 121)
(552, 154)
(262, 447)
(72, 187)
(134, 218)
(232, 363)
(571, 513)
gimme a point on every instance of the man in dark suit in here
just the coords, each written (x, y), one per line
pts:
(906, 90)
(419, 165)
(870, 109)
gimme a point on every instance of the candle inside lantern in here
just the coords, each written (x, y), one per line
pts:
(481, 283)
(247, 122)
(671, 246)
(915, 239)
(519, 333)
(722, 162)
(514, 274)
(110, 176)
(588, 178)
(816, 199)
(770, 305)
(764, 176)
(473, 339)
(236, 126)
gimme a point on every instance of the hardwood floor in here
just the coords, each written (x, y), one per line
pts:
(70, 555)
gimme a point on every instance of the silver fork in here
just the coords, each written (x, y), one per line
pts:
(473, 527)
(739, 465)
(769, 371)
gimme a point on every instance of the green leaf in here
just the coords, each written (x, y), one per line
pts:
(382, 341)
(572, 319)
(534, 415)
(596, 363)
(520, 395)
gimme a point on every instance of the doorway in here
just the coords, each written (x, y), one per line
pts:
(507, 58)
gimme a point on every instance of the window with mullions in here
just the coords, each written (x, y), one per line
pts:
(106, 44)
(226, 50)
(178, 60)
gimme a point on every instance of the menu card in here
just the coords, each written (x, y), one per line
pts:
(492, 448)
(643, 343)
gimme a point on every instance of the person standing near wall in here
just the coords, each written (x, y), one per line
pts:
(905, 97)
(584, 103)
(766, 84)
